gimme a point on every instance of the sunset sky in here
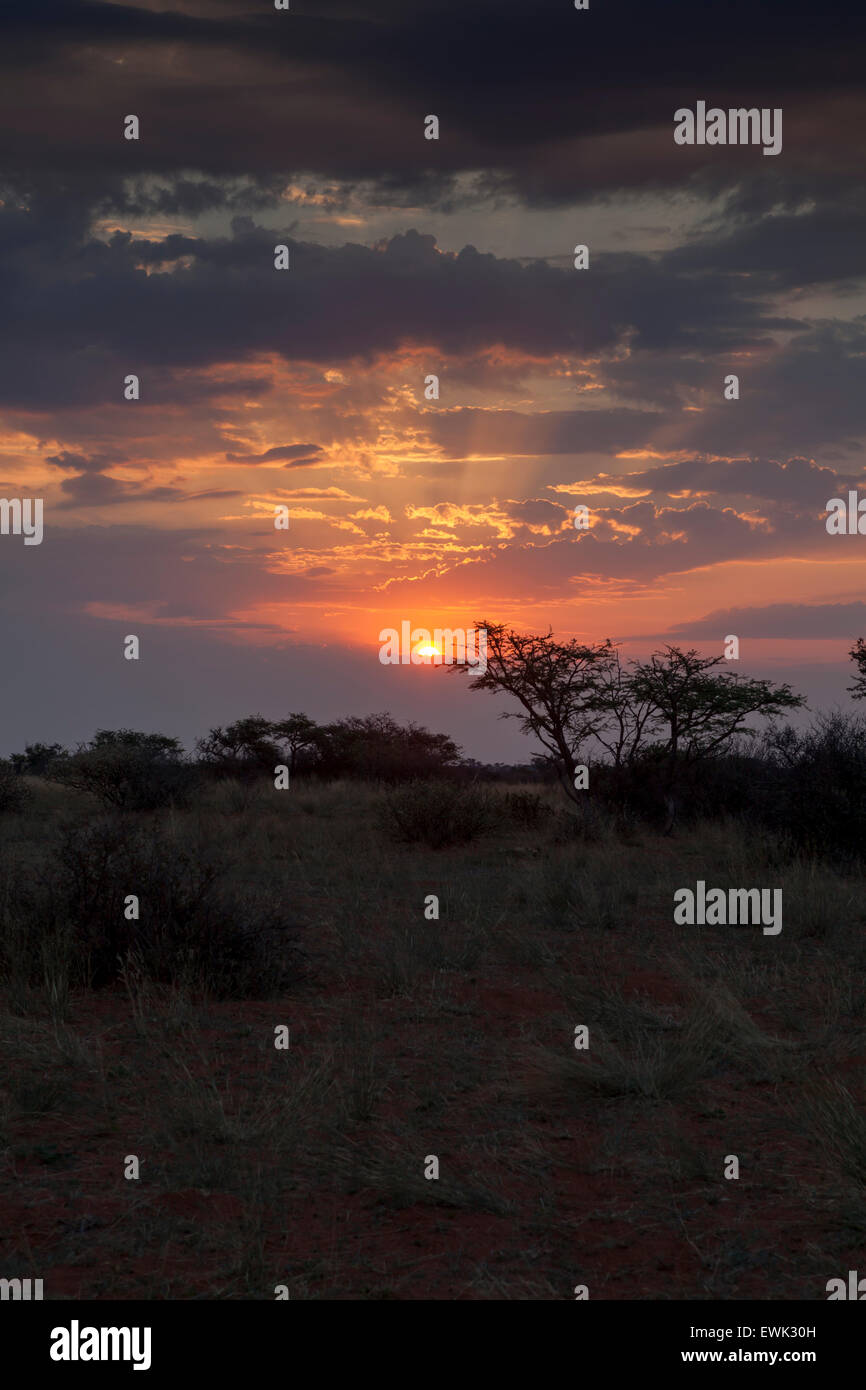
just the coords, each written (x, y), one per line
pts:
(412, 257)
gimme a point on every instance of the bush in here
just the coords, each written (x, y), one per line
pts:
(377, 748)
(13, 791)
(192, 929)
(37, 758)
(814, 786)
(587, 824)
(707, 789)
(439, 814)
(129, 771)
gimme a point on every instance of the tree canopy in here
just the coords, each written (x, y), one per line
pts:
(677, 707)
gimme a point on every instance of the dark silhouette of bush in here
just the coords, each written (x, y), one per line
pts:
(13, 793)
(724, 785)
(440, 814)
(193, 928)
(813, 785)
(376, 748)
(128, 770)
(243, 749)
(37, 758)
(255, 745)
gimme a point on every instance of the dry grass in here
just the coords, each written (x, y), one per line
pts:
(452, 1037)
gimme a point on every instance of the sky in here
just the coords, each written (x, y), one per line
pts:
(409, 257)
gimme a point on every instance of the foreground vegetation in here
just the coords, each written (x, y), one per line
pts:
(413, 1036)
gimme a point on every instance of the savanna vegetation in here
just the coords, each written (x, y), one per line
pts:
(432, 933)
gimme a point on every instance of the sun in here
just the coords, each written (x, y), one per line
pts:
(428, 650)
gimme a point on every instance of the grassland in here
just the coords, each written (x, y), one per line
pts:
(412, 1037)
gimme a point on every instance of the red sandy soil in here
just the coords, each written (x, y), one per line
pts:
(594, 1191)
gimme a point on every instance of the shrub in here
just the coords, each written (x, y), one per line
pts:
(377, 748)
(709, 788)
(814, 785)
(439, 814)
(193, 927)
(13, 790)
(128, 770)
(37, 758)
(588, 824)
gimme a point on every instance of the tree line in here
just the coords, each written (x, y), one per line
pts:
(676, 730)
(135, 770)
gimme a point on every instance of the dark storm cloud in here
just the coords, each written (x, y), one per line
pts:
(798, 480)
(809, 395)
(801, 396)
(815, 243)
(342, 89)
(82, 315)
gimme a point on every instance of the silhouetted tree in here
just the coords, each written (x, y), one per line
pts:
(126, 769)
(858, 656)
(376, 746)
(293, 735)
(698, 709)
(160, 746)
(244, 745)
(558, 685)
(674, 709)
(37, 757)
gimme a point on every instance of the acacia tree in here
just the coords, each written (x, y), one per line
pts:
(699, 709)
(676, 705)
(629, 717)
(294, 734)
(558, 685)
(248, 742)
